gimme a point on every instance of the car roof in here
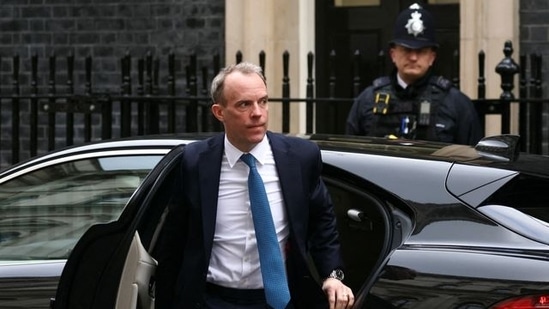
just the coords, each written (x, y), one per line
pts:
(437, 151)
(416, 149)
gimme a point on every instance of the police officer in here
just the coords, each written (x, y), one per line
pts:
(412, 102)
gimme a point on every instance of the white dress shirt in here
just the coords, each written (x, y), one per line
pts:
(234, 261)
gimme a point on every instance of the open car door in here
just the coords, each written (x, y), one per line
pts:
(111, 265)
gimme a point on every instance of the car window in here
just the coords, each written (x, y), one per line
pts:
(525, 193)
(45, 211)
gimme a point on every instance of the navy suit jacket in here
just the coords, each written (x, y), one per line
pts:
(186, 240)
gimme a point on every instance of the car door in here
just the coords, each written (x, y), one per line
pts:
(108, 252)
(371, 224)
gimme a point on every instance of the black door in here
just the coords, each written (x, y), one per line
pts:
(343, 32)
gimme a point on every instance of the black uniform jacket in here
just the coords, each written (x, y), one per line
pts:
(452, 115)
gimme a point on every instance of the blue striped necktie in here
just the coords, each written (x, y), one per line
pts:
(272, 267)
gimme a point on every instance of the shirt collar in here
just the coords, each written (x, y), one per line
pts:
(259, 151)
(401, 82)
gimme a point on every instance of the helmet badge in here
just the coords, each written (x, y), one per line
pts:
(415, 24)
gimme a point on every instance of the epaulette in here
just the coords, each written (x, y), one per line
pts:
(441, 82)
(381, 82)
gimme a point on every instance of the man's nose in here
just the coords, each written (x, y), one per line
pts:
(413, 54)
(256, 109)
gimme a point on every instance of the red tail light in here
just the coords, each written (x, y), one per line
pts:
(524, 302)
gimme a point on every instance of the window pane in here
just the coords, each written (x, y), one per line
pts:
(45, 212)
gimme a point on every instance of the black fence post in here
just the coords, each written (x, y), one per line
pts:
(310, 94)
(192, 108)
(33, 118)
(536, 109)
(481, 88)
(507, 68)
(125, 105)
(69, 128)
(51, 105)
(152, 106)
(216, 68)
(286, 92)
(15, 109)
(140, 92)
(539, 95)
(239, 57)
(171, 92)
(481, 92)
(262, 61)
(523, 106)
(206, 114)
(88, 93)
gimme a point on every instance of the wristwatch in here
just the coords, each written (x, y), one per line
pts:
(337, 274)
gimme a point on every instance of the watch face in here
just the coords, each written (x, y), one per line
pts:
(337, 274)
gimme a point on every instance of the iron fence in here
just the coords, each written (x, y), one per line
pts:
(37, 119)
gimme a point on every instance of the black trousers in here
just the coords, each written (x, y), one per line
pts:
(218, 297)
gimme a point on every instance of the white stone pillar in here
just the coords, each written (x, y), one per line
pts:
(274, 26)
(486, 25)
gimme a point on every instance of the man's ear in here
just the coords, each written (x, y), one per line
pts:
(434, 56)
(217, 111)
(391, 53)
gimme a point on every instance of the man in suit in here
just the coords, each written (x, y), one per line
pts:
(208, 254)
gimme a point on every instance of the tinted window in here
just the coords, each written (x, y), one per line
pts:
(525, 193)
(44, 212)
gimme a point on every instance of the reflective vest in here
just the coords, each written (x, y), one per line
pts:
(413, 118)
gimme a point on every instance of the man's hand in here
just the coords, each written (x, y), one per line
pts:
(339, 295)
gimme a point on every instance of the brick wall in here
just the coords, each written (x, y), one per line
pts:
(105, 30)
(534, 38)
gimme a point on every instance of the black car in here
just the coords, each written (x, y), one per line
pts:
(422, 224)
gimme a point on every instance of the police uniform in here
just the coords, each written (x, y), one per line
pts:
(429, 109)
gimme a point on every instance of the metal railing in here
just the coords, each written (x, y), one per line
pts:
(38, 119)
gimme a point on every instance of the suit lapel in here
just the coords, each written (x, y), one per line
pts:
(209, 171)
(288, 172)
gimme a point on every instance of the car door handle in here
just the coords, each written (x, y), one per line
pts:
(355, 215)
(359, 220)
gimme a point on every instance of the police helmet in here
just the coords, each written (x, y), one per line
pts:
(414, 28)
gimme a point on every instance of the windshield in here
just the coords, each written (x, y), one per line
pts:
(45, 211)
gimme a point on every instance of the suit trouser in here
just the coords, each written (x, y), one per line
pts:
(218, 297)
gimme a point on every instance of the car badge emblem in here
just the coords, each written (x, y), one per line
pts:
(415, 24)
